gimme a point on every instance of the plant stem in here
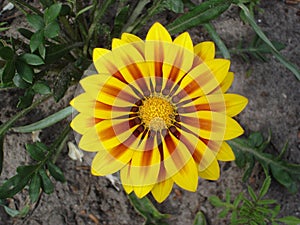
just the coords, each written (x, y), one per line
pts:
(97, 16)
(216, 38)
(59, 143)
(25, 4)
(4, 127)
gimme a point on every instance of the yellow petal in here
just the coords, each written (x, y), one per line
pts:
(136, 42)
(212, 125)
(234, 104)
(162, 190)
(179, 163)
(158, 32)
(225, 153)
(90, 141)
(219, 68)
(145, 167)
(212, 172)
(82, 122)
(205, 50)
(111, 161)
(99, 52)
(187, 177)
(116, 42)
(226, 83)
(178, 61)
(92, 84)
(142, 191)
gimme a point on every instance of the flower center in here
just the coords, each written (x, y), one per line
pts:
(157, 113)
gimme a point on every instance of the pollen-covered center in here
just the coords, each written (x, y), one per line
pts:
(157, 113)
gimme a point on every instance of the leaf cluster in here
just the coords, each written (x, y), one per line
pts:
(37, 175)
(252, 149)
(252, 210)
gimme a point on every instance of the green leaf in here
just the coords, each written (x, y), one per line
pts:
(84, 10)
(26, 100)
(31, 59)
(36, 40)
(120, 20)
(42, 51)
(284, 178)
(46, 3)
(47, 184)
(265, 187)
(201, 14)
(261, 34)
(25, 71)
(25, 33)
(41, 88)
(200, 219)
(252, 193)
(224, 213)
(256, 139)
(216, 38)
(36, 152)
(56, 172)
(19, 82)
(174, 5)
(238, 199)
(6, 53)
(52, 12)
(290, 220)
(52, 30)
(56, 52)
(34, 188)
(8, 72)
(147, 210)
(16, 183)
(46, 122)
(266, 202)
(35, 21)
(216, 201)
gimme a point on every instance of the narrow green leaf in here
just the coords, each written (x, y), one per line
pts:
(46, 3)
(35, 21)
(6, 53)
(200, 219)
(227, 196)
(31, 59)
(46, 122)
(175, 6)
(34, 188)
(36, 40)
(84, 10)
(56, 172)
(238, 199)
(266, 202)
(56, 52)
(252, 193)
(41, 88)
(47, 184)
(36, 152)
(201, 14)
(216, 38)
(52, 12)
(25, 71)
(11, 212)
(52, 30)
(120, 20)
(146, 209)
(261, 34)
(224, 213)
(265, 187)
(290, 220)
(216, 201)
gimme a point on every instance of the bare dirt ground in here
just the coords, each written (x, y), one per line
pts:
(273, 94)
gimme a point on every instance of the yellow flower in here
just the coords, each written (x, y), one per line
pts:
(157, 112)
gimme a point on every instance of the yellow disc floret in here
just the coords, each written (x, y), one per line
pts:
(157, 113)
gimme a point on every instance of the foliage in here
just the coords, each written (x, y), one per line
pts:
(250, 150)
(53, 54)
(253, 210)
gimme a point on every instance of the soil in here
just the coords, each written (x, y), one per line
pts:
(273, 93)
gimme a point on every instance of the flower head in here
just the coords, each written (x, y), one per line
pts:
(157, 112)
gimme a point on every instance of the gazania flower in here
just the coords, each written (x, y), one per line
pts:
(157, 112)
